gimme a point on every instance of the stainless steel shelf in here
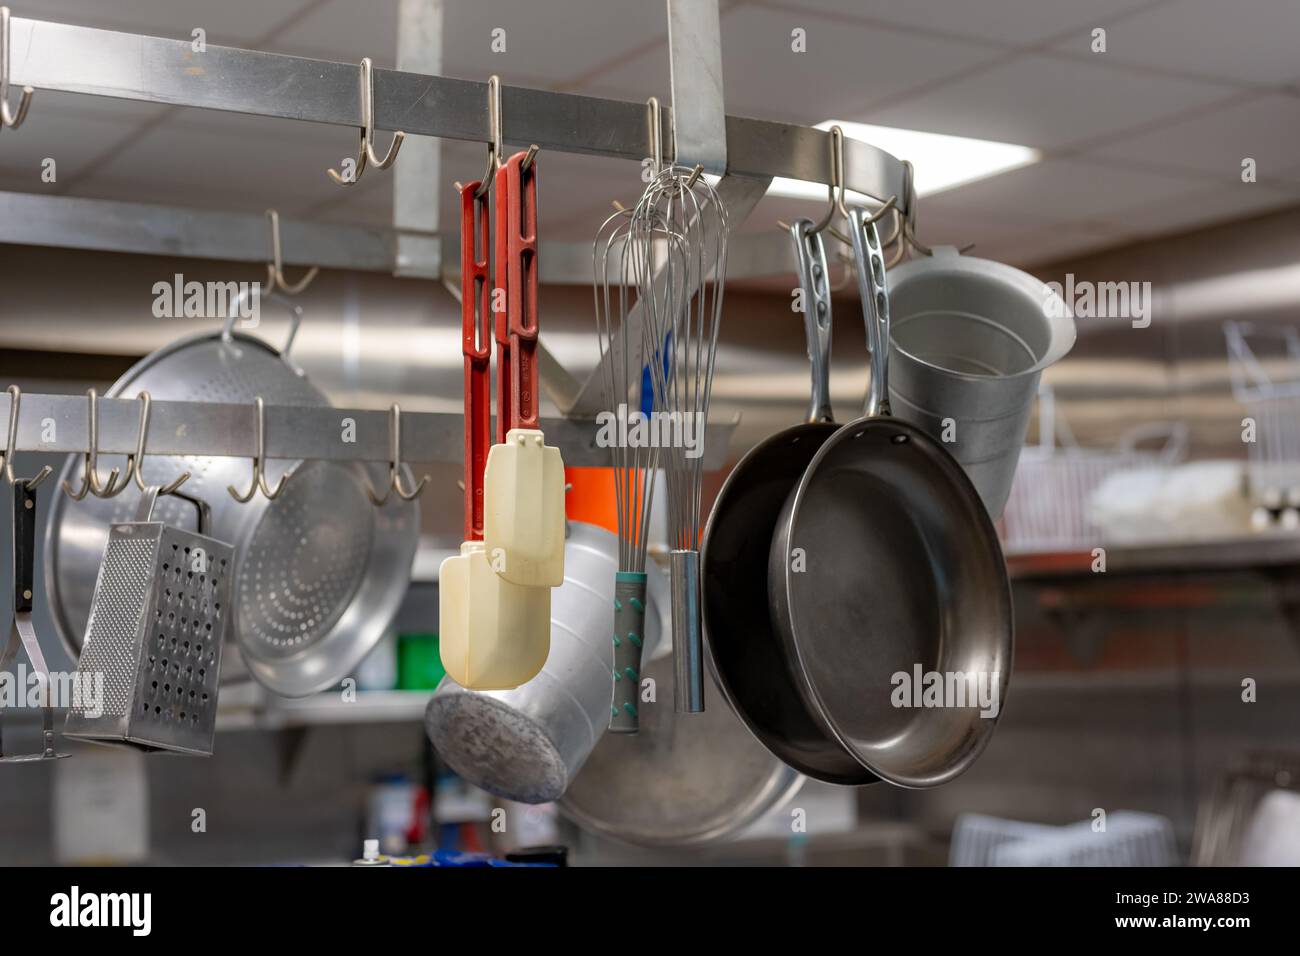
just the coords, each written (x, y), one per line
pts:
(1265, 550)
(369, 707)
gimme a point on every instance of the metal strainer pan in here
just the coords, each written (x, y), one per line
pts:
(319, 572)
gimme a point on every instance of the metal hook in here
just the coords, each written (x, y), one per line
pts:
(494, 136)
(259, 464)
(11, 446)
(656, 135)
(275, 268)
(835, 190)
(90, 482)
(366, 152)
(10, 118)
(395, 462)
(139, 452)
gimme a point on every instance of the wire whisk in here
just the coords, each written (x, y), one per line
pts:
(621, 253)
(681, 224)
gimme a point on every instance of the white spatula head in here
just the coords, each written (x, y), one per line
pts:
(523, 520)
(493, 635)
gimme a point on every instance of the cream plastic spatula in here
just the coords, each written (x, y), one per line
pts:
(524, 482)
(493, 634)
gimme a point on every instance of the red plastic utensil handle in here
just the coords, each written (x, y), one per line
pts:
(476, 345)
(500, 299)
(521, 287)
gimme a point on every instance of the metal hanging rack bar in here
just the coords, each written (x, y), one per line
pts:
(75, 59)
(61, 424)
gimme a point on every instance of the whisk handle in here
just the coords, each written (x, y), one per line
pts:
(629, 635)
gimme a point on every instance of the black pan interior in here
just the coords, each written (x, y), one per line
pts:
(748, 659)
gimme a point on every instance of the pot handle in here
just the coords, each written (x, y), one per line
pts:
(295, 319)
(873, 289)
(810, 262)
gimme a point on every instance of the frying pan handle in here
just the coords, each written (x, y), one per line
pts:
(476, 346)
(873, 289)
(295, 318)
(521, 288)
(500, 302)
(810, 260)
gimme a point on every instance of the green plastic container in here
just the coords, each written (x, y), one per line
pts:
(419, 663)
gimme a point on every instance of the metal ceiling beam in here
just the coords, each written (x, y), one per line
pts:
(74, 59)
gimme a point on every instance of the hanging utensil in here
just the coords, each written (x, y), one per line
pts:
(683, 206)
(744, 644)
(156, 633)
(527, 744)
(524, 482)
(969, 342)
(22, 632)
(319, 572)
(686, 780)
(885, 562)
(629, 394)
(493, 634)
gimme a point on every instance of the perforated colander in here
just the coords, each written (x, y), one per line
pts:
(320, 571)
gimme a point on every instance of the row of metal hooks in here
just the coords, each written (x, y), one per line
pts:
(118, 480)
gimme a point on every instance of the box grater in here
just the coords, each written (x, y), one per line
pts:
(157, 624)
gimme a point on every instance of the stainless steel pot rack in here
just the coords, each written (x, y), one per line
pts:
(95, 62)
(61, 424)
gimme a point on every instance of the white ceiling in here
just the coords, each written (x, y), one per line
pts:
(1142, 140)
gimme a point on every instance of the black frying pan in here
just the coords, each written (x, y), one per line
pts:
(748, 659)
(902, 570)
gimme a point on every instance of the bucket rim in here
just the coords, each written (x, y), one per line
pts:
(946, 261)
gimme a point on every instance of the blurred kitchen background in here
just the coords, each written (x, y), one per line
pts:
(1128, 686)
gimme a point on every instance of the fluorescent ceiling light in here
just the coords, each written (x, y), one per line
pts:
(941, 161)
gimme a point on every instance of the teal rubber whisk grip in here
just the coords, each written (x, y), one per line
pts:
(629, 637)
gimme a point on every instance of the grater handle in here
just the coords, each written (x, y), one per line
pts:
(149, 497)
(24, 545)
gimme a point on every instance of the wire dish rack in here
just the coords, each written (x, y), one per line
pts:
(1269, 389)
(1049, 506)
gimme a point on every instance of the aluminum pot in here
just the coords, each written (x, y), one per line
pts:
(319, 571)
(526, 744)
(969, 340)
(684, 780)
(884, 569)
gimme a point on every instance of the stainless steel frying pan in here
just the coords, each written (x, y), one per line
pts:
(745, 648)
(900, 569)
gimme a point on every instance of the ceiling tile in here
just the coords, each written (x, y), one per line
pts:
(1000, 21)
(1250, 41)
(1042, 246)
(1047, 102)
(1061, 190)
(844, 66)
(546, 44)
(1266, 129)
(1220, 204)
(48, 133)
(229, 23)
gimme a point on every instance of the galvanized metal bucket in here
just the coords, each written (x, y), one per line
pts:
(970, 340)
